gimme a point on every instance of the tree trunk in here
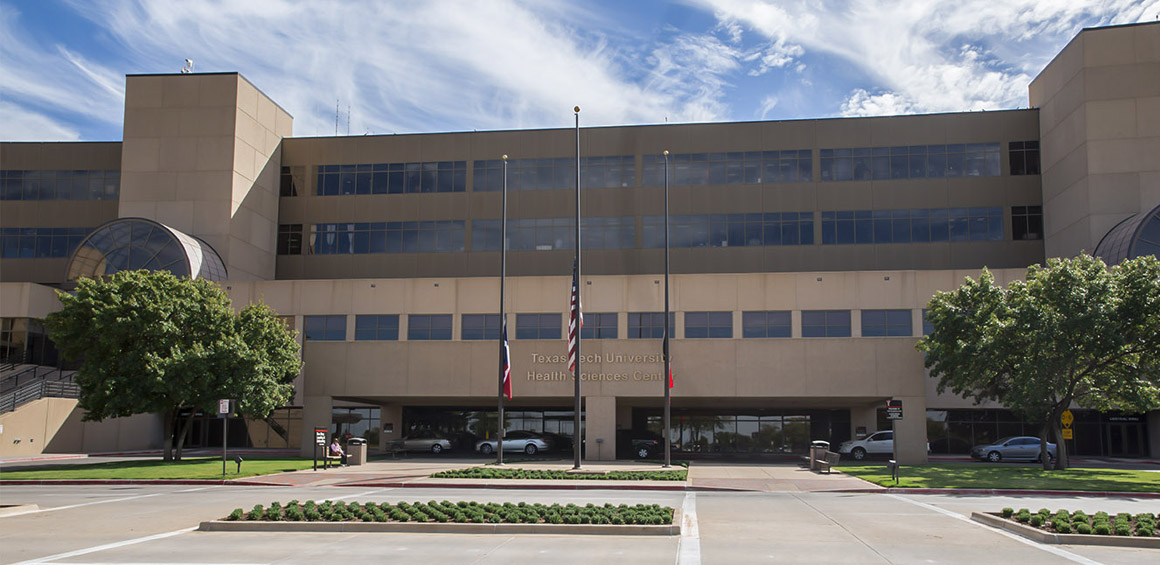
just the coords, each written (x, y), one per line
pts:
(167, 435)
(1062, 461)
(1044, 435)
(184, 431)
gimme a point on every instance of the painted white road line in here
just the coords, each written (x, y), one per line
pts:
(354, 495)
(689, 546)
(114, 545)
(1048, 548)
(55, 508)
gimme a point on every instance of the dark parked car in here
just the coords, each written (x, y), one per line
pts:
(641, 445)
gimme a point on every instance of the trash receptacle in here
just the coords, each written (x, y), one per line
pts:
(356, 451)
(818, 449)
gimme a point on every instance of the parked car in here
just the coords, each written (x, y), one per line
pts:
(519, 440)
(641, 445)
(422, 440)
(1014, 447)
(877, 443)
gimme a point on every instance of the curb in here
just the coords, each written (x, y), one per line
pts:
(74, 482)
(1069, 539)
(442, 528)
(1003, 492)
(375, 484)
(10, 509)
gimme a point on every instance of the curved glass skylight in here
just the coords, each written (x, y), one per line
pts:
(128, 244)
(1136, 236)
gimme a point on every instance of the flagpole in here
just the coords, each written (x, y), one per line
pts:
(579, 437)
(668, 380)
(503, 362)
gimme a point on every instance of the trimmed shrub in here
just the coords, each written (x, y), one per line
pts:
(1037, 520)
(1083, 528)
(1101, 529)
(236, 514)
(1008, 512)
(256, 513)
(1061, 526)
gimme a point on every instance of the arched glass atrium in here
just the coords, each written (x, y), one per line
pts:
(136, 243)
(1136, 236)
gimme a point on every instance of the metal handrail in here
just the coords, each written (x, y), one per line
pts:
(60, 388)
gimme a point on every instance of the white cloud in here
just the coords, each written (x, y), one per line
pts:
(767, 105)
(20, 124)
(930, 56)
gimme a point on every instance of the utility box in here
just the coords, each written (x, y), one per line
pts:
(356, 451)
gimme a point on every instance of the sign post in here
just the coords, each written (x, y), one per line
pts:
(224, 414)
(894, 414)
(319, 441)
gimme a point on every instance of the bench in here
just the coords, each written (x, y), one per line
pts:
(828, 460)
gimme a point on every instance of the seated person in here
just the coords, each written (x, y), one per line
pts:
(336, 450)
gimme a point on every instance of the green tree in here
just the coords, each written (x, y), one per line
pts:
(149, 342)
(1074, 332)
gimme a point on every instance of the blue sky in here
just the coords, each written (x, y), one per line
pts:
(437, 65)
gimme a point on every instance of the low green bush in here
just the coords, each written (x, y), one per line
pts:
(256, 513)
(1083, 528)
(491, 473)
(1101, 529)
(1037, 520)
(1061, 526)
(236, 514)
(1008, 512)
(1123, 529)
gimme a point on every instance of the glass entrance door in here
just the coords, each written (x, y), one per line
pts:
(1125, 440)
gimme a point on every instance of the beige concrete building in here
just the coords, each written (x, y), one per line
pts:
(803, 254)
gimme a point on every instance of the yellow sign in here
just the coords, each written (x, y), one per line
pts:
(1066, 419)
(1067, 433)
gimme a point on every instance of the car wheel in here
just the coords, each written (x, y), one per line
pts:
(436, 449)
(530, 449)
(858, 454)
(994, 457)
(642, 453)
(486, 449)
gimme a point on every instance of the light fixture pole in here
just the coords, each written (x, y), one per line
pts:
(668, 378)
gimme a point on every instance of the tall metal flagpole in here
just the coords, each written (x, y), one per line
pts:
(502, 320)
(579, 437)
(668, 379)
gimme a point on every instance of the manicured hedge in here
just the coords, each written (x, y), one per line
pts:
(1079, 522)
(493, 473)
(459, 512)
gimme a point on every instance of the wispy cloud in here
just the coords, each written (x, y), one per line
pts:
(930, 56)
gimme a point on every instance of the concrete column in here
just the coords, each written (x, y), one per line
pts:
(390, 414)
(600, 428)
(910, 431)
(316, 413)
(1154, 434)
(864, 416)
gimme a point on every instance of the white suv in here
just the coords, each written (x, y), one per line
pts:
(877, 443)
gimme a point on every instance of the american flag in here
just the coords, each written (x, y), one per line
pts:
(505, 356)
(575, 316)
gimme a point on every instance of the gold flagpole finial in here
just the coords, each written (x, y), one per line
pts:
(666, 152)
(504, 157)
(576, 109)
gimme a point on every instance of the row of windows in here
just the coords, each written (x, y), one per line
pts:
(37, 243)
(717, 230)
(730, 230)
(382, 237)
(59, 185)
(392, 178)
(749, 167)
(603, 325)
(910, 162)
(544, 234)
(613, 171)
(912, 225)
(686, 169)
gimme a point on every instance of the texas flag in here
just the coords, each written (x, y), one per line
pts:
(505, 359)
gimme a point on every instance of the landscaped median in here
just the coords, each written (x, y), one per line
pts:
(982, 476)
(486, 473)
(451, 517)
(1065, 527)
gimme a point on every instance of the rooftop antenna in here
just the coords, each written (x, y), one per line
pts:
(348, 119)
(336, 117)
(188, 68)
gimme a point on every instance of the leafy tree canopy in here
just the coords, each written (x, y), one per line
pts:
(153, 343)
(1074, 331)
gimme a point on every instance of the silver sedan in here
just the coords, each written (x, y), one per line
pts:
(1014, 447)
(422, 440)
(527, 442)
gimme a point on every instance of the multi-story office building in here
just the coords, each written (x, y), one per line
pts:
(803, 254)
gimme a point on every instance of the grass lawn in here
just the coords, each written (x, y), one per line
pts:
(984, 476)
(189, 468)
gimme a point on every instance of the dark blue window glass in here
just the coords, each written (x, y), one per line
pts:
(538, 326)
(882, 323)
(708, 324)
(825, 323)
(381, 327)
(324, 328)
(766, 324)
(599, 326)
(480, 327)
(649, 325)
(428, 327)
